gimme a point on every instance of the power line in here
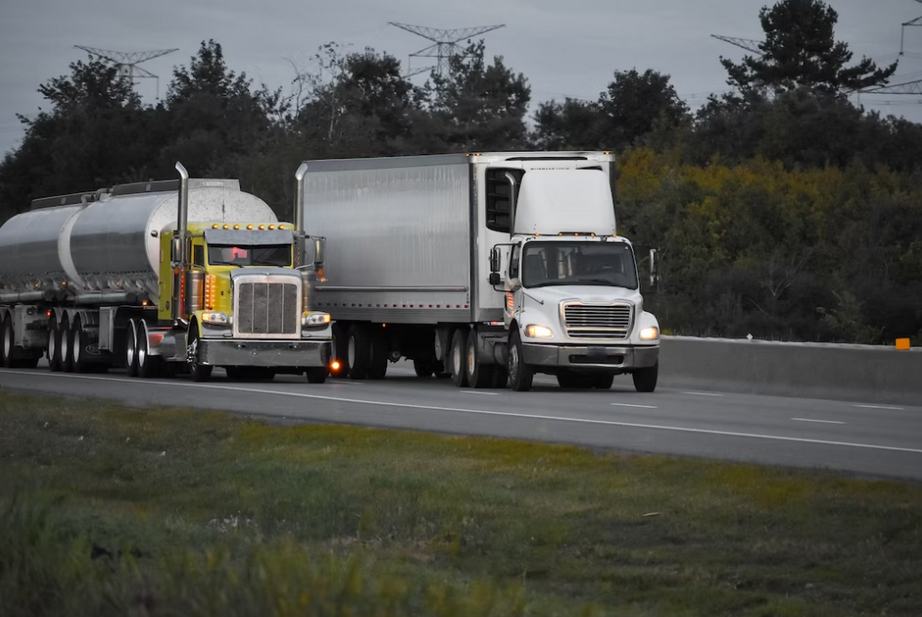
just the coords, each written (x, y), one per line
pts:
(747, 44)
(445, 44)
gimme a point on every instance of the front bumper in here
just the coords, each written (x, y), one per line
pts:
(615, 357)
(240, 352)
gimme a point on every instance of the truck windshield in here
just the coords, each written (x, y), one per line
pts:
(271, 255)
(579, 263)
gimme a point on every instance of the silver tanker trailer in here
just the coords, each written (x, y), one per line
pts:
(122, 278)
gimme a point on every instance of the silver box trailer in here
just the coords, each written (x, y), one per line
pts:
(413, 247)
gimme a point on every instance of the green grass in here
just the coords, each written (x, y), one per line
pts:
(110, 510)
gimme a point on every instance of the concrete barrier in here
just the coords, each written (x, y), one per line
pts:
(860, 373)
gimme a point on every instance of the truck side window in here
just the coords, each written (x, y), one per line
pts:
(498, 207)
(198, 255)
(514, 262)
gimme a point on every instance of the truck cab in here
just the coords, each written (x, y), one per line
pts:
(241, 283)
(573, 306)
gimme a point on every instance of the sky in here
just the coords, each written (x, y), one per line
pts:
(563, 48)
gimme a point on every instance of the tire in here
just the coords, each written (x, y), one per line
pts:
(500, 377)
(198, 372)
(317, 374)
(521, 376)
(77, 344)
(6, 343)
(26, 363)
(54, 346)
(479, 375)
(424, 368)
(377, 368)
(603, 382)
(131, 348)
(645, 378)
(457, 357)
(67, 356)
(358, 353)
(340, 352)
(148, 366)
(236, 373)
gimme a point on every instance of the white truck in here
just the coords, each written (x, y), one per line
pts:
(486, 267)
(160, 277)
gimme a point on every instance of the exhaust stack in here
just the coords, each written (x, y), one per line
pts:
(179, 257)
(298, 217)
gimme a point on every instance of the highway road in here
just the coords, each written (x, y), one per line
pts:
(877, 440)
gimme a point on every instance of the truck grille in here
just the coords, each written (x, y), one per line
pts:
(267, 308)
(584, 321)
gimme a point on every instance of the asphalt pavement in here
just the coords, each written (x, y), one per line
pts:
(850, 436)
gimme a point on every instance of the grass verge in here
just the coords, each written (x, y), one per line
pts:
(110, 510)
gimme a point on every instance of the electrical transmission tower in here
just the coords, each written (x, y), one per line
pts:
(912, 22)
(445, 44)
(747, 44)
(127, 62)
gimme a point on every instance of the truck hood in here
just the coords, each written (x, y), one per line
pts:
(589, 294)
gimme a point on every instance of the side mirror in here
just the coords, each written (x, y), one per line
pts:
(320, 245)
(495, 279)
(495, 261)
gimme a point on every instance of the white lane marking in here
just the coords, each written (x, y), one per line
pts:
(879, 407)
(630, 405)
(703, 393)
(820, 421)
(508, 414)
(480, 393)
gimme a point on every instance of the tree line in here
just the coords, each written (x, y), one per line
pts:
(781, 209)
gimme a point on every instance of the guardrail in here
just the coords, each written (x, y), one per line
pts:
(860, 373)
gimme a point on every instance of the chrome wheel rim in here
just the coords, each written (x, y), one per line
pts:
(52, 342)
(7, 341)
(130, 346)
(64, 344)
(456, 359)
(142, 346)
(77, 345)
(351, 352)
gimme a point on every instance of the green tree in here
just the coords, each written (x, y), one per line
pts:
(214, 117)
(480, 106)
(93, 135)
(634, 103)
(800, 50)
(571, 125)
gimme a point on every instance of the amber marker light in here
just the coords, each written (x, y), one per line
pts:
(335, 365)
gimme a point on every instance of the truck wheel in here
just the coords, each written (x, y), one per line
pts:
(457, 358)
(148, 365)
(340, 353)
(479, 375)
(6, 343)
(603, 382)
(645, 378)
(378, 357)
(317, 374)
(77, 344)
(521, 375)
(423, 368)
(131, 348)
(67, 348)
(199, 372)
(500, 377)
(54, 346)
(357, 352)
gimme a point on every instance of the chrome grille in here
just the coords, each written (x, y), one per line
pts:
(267, 308)
(587, 321)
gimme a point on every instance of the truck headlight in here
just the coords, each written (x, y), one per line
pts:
(216, 318)
(538, 332)
(649, 334)
(313, 320)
